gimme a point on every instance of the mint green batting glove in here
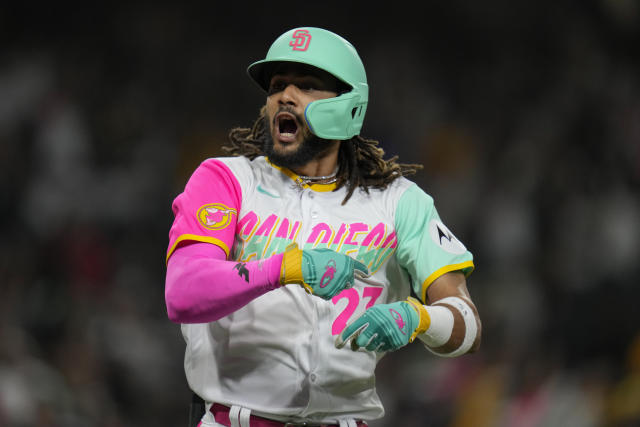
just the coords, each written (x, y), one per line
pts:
(386, 327)
(321, 272)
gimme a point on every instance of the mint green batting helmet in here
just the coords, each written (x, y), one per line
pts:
(340, 117)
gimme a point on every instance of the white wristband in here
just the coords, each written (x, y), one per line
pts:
(440, 328)
(471, 327)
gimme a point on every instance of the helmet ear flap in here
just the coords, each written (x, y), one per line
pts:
(336, 118)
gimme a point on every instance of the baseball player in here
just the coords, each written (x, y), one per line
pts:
(298, 261)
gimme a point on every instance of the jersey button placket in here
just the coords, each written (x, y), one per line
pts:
(309, 208)
(311, 212)
(314, 212)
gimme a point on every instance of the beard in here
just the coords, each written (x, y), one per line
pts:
(310, 148)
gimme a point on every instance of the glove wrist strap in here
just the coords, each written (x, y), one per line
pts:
(424, 320)
(292, 268)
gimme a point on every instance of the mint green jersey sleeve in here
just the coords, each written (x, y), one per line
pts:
(427, 249)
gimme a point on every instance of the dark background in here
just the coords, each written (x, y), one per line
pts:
(526, 116)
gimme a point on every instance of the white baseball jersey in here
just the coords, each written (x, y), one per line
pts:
(276, 355)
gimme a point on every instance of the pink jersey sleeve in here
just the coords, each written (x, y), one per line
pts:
(201, 286)
(207, 209)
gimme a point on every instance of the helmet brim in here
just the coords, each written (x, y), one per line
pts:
(262, 71)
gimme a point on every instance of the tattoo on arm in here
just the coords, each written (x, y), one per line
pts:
(242, 271)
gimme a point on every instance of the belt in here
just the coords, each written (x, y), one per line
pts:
(221, 414)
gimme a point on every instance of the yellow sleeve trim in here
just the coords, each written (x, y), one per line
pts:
(197, 238)
(439, 272)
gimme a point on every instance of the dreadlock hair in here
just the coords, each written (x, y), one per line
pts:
(360, 160)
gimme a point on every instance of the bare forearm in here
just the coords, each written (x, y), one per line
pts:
(455, 326)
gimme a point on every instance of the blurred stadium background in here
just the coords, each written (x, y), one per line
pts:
(525, 114)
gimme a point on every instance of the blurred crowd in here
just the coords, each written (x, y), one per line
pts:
(525, 116)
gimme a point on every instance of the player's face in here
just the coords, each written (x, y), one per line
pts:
(291, 89)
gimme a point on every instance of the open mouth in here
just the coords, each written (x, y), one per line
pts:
(286, 126)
